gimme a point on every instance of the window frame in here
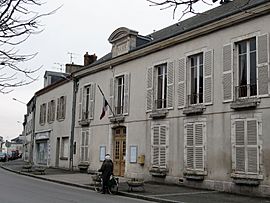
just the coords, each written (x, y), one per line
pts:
(42, 115)
(84, 147)
(119, 95)
(51, 111)
(64, 153)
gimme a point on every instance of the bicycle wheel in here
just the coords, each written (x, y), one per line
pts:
(98, 186)
(113, 186)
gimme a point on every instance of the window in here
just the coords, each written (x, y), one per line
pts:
(61, 108)
(159, 146)
(65, 147)
(51, 111)
(42, 152)
(119, 94)
(42, 115)
(247, 65)
(195, 146)
(196, 79)
(246, 146)
(160, 87)
(86, 102)
(84, 145)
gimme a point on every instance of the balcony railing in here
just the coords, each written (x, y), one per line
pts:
(85, 115)
(118, 110)
(194, 99)
(245, 91)
(160, 104)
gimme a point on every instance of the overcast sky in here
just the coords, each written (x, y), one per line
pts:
(78, 26)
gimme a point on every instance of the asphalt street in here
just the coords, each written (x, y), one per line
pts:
(15, 188)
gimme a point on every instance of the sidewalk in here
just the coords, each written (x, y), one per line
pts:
(153, 191)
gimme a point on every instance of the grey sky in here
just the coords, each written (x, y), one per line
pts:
(79, 26)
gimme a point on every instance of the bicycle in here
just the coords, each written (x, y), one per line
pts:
(113, 183)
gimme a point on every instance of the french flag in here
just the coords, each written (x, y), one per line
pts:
(104, 108)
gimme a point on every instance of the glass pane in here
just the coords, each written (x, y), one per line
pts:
(242, 47)
(253, 74)
(253, 44)
(201, 85)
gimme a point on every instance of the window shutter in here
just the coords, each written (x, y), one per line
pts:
(262, 65)
(126, 94)
(199, 145)
(86, 145)
(189, 146)
(111, 98)
(49, 111)
(170, 85)
(53, 112)
(149, 89)
(80, 103)
(227, 73)
(252, 147)
(208, 77)
(58, 109)
(155, 146)
(82, 146)
(163, 146)
(92, 101)
(240, 146)
(181, 83)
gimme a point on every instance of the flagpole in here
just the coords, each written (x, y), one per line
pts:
(107, 102)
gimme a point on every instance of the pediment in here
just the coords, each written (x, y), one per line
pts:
(121, 33)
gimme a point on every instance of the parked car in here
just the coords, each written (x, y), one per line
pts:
(3, 156)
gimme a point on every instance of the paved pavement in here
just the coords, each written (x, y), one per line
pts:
(152, 191)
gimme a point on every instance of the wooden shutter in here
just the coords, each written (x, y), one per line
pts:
(189, 146)
(170, 85)
(149, 90)
(126, 93)
(252, 147)
(92, 101)
(227, 73)
(239, 146)
(80, 103)
(181, 89)
(86, 145)
(199, 146)
(82, 145)
(111, 98)
(155, 146)
(163, 146)
(49, 112)
(208, 77)
(64, 107)
(262, 65)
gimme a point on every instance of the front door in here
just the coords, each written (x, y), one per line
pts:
(119, 151)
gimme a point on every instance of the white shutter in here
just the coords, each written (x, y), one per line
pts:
(163, 146)
(86, 145)
(80, 103)
(64, 107)
(227, 73)
(170, 85)
(149, 90)
(262, 65)
(199, 147)
(208, 77)
(239, 146)
(82, 146)
(252, 147)
(155, 146)
(92, 101)
(126, 94)
(189, 146)
(58, 109)
(111, 98)
(181, 89)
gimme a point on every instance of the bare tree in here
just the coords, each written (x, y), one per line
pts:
(18, 20)
(186, 6)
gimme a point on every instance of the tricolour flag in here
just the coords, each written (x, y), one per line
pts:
(104, 108)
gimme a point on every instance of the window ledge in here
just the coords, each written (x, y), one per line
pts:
(196, 109)
(159, 172)
(245, 103)
(117, 119)
(162, 113)
(63, 158)
(84, 122)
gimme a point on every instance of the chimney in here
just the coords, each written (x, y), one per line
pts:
(88, 59)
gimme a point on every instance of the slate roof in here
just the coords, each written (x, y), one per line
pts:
(199, 20)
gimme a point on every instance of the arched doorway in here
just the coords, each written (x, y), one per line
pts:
(119, 150)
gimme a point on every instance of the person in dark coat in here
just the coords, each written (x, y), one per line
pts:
(106, 170)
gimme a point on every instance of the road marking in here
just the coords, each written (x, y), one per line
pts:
(186, 193)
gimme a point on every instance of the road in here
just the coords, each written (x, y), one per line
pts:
(16, 188)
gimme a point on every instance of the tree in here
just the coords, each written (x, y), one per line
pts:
(186, 6)
(18, 21)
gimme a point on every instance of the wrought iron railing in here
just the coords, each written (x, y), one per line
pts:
(118, 110)
(245, 91)
(160, 104)
(194, 99)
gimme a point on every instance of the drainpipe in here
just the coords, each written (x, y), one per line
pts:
(71, 149)
(31, 158)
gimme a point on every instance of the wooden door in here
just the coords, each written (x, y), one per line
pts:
(119, 151)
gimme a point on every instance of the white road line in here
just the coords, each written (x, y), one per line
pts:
(186, 193)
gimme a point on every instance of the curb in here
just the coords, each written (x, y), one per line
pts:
(126, 194)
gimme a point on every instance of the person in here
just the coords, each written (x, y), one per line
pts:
(106, 170)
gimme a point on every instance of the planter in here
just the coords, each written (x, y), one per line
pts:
(83, 167)
(132, 183)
